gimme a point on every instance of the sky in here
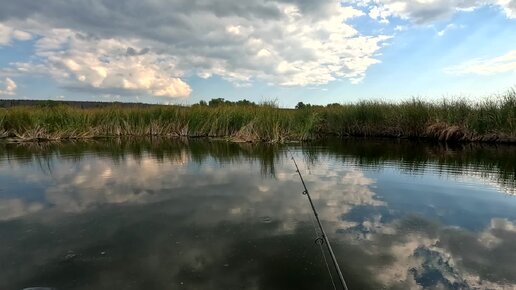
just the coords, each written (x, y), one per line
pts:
(287, 51)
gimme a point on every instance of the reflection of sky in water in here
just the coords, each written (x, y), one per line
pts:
(465, 202)
(184, 222)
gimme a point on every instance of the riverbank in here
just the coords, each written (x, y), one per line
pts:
(492, 120)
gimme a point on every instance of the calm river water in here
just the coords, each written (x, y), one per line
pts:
(197, 214)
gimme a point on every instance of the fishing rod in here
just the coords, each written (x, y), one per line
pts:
(323, 239)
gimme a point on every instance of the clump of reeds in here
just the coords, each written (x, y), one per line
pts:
(459, 120)
(491, 120)
(248, 123)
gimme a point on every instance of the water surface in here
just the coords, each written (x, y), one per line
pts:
(194, 214)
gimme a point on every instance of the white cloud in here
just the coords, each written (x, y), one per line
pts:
(487, 66)
(283, 42)
(108, 65)
(509, 6)
(310, 51)
(400, 28)
(449, 27)
(10, 87)
(427, 11)
(8, 34)
(287, 42)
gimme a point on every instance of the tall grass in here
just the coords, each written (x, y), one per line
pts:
(459, 120)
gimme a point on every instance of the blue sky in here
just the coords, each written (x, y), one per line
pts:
(288, 51)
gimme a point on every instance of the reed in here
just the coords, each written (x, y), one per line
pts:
(492, 120)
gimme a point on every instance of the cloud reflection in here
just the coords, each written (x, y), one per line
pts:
(178, 222)
(15, 208)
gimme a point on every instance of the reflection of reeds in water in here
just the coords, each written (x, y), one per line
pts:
(175, 150)
(491, 120)
(493, 163)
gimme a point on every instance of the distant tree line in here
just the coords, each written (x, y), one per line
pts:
(77, 104)
(216, 102)
(223, 102)
(302, 105)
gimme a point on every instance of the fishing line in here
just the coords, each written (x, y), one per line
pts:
(322, 239)
(319, 242)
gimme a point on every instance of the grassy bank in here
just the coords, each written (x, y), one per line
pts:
(492, 120)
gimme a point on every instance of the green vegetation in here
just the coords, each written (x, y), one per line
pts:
(492, 120)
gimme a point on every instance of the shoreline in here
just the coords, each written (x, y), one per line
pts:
(446, 135)
(489, 121)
